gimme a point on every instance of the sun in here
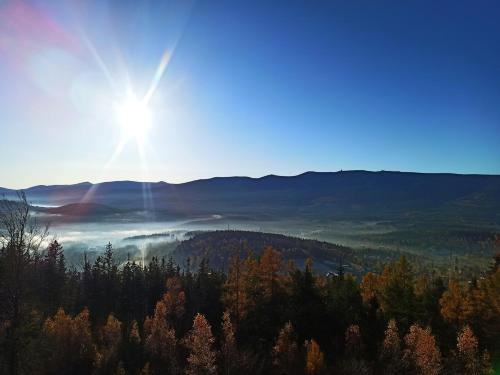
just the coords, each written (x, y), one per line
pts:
(134, 117)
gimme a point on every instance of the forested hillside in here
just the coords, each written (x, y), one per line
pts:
(341, 195)
(261, 316)
(220, 246)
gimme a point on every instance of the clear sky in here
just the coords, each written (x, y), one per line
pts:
(246, 88)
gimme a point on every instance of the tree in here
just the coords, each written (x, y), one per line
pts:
(285, 351)
(53, 274)
(307, 304)
(132, 350)
(199, 341)
(234, 293)
(370, 285)
(422, 354)
(111, 340)
(271, 269)
(391, 356)
(229, 351)
(469, 359)
(71, 349)
(315, 361)
(20, 239)
(174, 300)
(396, 292)
(455, 304)
(160, 342)
(353, 340)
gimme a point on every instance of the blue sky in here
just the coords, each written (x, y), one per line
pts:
(250, 88)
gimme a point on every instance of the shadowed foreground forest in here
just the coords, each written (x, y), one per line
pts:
(262, 316)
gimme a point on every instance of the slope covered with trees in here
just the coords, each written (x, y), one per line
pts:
(262, 316)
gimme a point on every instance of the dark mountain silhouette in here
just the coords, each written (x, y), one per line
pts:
(82, 209)
(340, 195)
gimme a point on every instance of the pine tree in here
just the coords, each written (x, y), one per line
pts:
(199, 341)
(53, 277)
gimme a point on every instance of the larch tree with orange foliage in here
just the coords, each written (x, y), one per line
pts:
(199, 341)
(286, 352)
(469, 359)
(271, 268)
(229, 352)
(160, 342)
(234, 291)
(315, 359)
(174, 299)
(369, 287)
(455, 304)
(391, 356)
(111, 338)
(70, 344)
(422, 354)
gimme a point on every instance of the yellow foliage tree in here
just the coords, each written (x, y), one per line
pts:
(160, 341)
(72, 349)
(455, 304)
(285, 351)
(315, 361)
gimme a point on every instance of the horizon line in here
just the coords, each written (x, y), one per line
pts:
(249, 177)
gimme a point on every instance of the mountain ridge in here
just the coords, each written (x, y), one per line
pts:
(342, 194)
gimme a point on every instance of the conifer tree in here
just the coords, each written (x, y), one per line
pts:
(111, 340)
(285, 351)
(455, 304)
(229, 352)
(70, 344)
(315, 361)
(391, 356)
(422, 354)
(160, 341)
(470, 361)
(199, 341)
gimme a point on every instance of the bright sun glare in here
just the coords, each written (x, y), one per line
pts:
(134, 117)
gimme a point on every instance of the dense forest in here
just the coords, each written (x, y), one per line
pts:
(261, 316)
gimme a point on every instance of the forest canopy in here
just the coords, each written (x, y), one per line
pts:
(263, 315)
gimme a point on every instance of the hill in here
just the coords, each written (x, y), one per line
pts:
(331, 195)
(220, 246)
(81, 210)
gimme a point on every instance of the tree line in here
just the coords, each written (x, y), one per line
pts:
(262, 316)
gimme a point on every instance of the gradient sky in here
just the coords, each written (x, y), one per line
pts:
(250, 88)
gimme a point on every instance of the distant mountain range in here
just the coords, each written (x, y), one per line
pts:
(335, 195)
